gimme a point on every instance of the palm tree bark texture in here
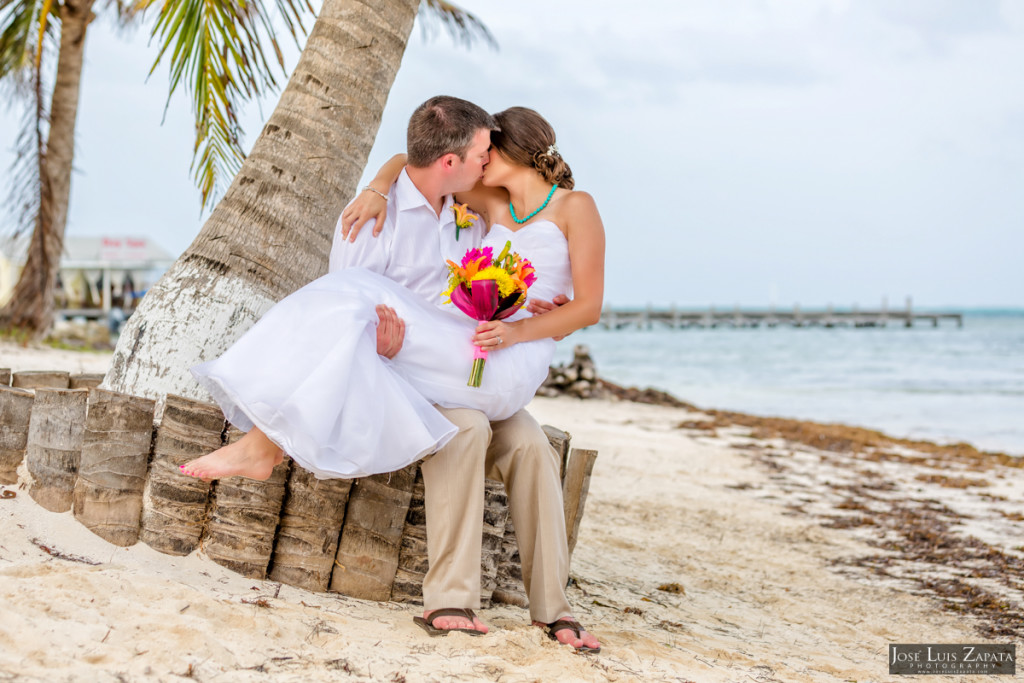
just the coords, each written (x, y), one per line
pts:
(272, 231)
(31, 305)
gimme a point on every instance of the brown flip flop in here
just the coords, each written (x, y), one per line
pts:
(428, 624)
(574, 626)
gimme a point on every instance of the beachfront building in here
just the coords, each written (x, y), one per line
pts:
(98, 275)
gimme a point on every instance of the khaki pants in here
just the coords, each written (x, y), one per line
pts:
(515, 452)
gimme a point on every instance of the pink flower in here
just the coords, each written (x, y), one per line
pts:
(475, 254)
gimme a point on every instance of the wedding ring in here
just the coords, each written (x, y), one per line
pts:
(498, 342)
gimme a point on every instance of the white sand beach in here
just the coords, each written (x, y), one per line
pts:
(704, 555)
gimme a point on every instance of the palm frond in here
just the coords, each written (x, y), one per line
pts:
(128, 15)
(218, 50)
(44, 23)
(462, 26)
(24, 189)
(27, 28)
(29, 36)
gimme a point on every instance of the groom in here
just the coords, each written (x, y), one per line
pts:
(448, 141)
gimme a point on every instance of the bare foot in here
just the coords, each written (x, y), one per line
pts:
(567, 636)
(448, 623)
(253, 456)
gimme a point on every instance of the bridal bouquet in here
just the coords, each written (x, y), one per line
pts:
(487, 288)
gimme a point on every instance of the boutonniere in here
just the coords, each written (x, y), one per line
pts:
(463, 218)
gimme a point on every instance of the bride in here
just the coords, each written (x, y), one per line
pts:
(307, 379)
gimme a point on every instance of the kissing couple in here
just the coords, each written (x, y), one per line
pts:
(363, 371)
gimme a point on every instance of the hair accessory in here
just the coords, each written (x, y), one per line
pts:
(552, 150)
(375, 192)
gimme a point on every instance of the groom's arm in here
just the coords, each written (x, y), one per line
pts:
(371, 253)
(539, 306)
(365, 251)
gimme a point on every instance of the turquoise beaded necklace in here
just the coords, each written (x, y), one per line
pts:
(540, 208)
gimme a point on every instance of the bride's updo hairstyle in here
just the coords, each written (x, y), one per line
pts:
(526, 139)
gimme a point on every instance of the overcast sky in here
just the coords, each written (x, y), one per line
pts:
(740, 151)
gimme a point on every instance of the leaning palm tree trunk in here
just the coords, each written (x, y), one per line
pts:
(271, 233)
(31, 305)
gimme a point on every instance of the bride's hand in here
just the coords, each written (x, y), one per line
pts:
(496, 334)
(366, 206)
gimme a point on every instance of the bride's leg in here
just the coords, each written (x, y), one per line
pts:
(253, 456)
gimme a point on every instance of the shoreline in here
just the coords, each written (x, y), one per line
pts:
(836, 436)
(579, 379)
(914, 536)
(832, 436)
(880, 433)
(709, 551)
(939, 385)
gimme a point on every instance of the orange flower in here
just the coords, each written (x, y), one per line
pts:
(463, 218)
(458, 271)
(524, 274)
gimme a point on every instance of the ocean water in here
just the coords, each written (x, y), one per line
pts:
(944, 384)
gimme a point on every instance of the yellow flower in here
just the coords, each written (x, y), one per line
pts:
(505, 283)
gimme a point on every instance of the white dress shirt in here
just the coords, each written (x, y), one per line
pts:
(413, 245)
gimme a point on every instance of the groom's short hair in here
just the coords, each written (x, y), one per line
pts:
(444, 125)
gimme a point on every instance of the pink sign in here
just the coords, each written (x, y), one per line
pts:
(122, 249)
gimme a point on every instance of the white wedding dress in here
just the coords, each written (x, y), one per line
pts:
(308, 374)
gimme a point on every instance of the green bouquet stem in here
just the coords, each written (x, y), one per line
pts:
(477, 373)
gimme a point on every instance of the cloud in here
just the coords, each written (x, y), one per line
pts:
(942, 18)
(838, 148)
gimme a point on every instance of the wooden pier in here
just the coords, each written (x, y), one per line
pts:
(647, 318)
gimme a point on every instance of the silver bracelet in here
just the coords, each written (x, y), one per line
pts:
(384, 196)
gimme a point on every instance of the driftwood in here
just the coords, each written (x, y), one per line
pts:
(307, 538)
(54, 445)
(86, 380)
(371, 538)
(5, 377)
(41, 379)
(412, 555)
(15, 412)
(245, 515)
(575, 489)
(509, 589)
(492, 545)
(559, 440)
(365, 538)
(174, 506)
(115, 458)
